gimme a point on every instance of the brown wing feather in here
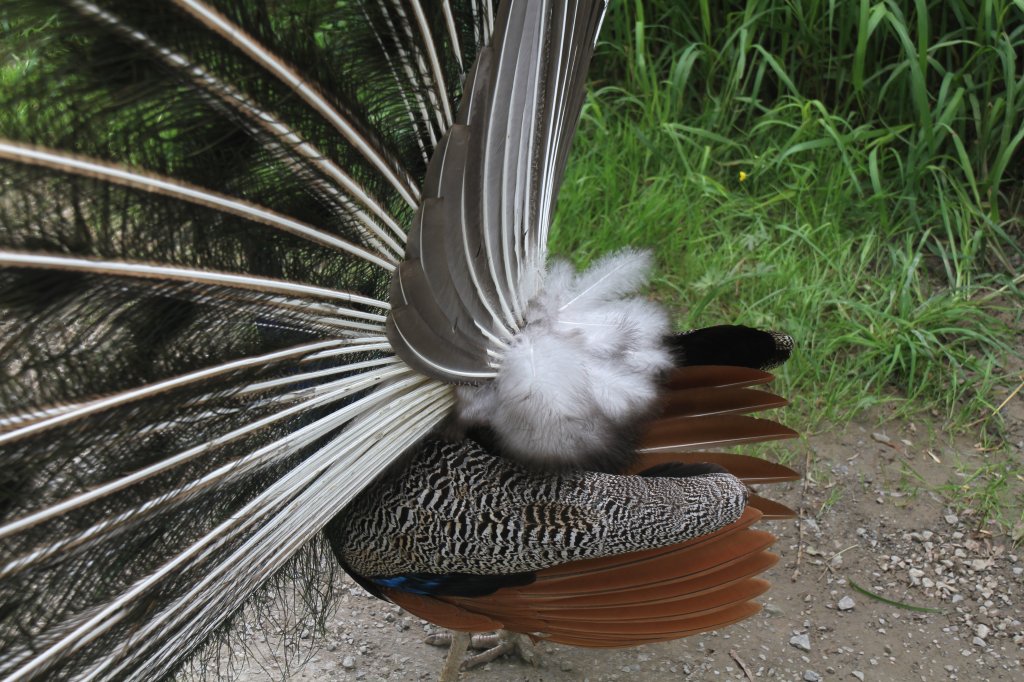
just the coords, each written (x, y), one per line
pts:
(686, 629)
(721, 376)
(691, 433)
(770, 509)
(697, 402)
(750, 470)
(647, 596)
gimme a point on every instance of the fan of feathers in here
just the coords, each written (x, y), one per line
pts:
(274, 285)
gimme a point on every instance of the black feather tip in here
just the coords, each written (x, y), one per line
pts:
(732, 345)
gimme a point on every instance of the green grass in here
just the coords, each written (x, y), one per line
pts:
(878, 218)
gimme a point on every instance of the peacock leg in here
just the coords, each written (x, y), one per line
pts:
(493, 645)
(458, 643)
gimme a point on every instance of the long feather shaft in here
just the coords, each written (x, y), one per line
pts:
(118, 175)
(150, 390)
(415, 57)
(165, 272)
(79, 635)
(264, 120)
(453, 35)
(320, 498)
(435, 63)
(409, 107)
(319, 374)
(261, 457)
(219, 24)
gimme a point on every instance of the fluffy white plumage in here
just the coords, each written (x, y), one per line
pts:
(582, 370)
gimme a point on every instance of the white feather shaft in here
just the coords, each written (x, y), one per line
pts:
(268, 122)
(274, 498)
(255, 51)
(222, 476)
(453, 34)
(421, 66)
(435, 63)
(166, 272)
(318, 498)
(320, 374)
(159, 387)
(409, 108)
(67, 163)
(406, 60)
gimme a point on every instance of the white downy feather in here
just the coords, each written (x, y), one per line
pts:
(581, 371)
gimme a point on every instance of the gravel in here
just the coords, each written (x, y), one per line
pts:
(801, 641)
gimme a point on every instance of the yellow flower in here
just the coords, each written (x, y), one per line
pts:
(743, 176)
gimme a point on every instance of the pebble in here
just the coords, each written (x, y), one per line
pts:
(802, 642)
(846, 603)
(811, 676)
(858, 674)
(348, 662)
(952, 519)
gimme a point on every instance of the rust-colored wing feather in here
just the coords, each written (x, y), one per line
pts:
(650, 596)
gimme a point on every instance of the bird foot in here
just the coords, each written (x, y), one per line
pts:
(491, 646)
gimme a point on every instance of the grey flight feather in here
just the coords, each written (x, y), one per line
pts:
(482, 252)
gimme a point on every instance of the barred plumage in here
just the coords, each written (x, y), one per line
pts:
(459, 509)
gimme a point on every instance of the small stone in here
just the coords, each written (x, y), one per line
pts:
(858, 674)
(348, 662)
(978, 641)
(802, 642)
(565, 666)
(846, 603)
(811, 676)
(952, 519)
(982, 630)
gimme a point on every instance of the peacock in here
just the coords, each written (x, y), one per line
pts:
(275, 299)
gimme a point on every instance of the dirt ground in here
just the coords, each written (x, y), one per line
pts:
(864, 520)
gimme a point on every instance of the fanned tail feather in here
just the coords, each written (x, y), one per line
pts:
(203, 207)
